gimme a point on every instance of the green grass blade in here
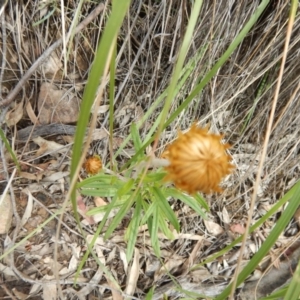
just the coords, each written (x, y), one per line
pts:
(285, 218)
(120, 215)
(263, 219)
(179, 64)
(188, 200)
(235, 43)
(185, 75)
(109, 179)
(165, 207)
(137, 143)
(276, 295)
(133, 228)
(111, 105)
(148, 211)
(164, 227)
(293, 291)
(154, 231)
(9, 149)
(97, 71)
(150, 294)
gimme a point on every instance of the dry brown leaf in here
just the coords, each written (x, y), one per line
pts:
(33, 118)
(55, 177)
(172, 264)
(28, 210)
(82, 209)
(237, 228)
(15, 115)
(133, 273)
(37, 177)
(52, 64)
(7, 271)
(6, 213)
(57, 106)
(225, 216)
(75, 257)
(200, 275)
(124, 260)
(19, 295)
(213, 228)
(102, 109)
(114, 289)
(48, 146)
(99, 201)
(49, 289)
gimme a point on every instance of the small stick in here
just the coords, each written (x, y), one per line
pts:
(11, 96)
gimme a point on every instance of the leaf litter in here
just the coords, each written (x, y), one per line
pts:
(40, 188)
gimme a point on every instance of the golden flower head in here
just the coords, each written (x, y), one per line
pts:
(197, 161)
(93, 165)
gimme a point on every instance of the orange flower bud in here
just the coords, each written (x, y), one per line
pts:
(198, 161)
(93, 165)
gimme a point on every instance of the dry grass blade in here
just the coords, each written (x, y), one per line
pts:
(264, 150)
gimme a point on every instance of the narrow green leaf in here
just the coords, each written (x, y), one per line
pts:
(201, 201)
(187, 39)
(262, 220)
(119, 216)
(165, 207)
(285, 218)
(164, 227)
(101, 59)
(99, 192)
(9, 149)
(154, 177)
(293, 291)
(188, 200)
(137, 143)
(133, 228)
(126, 187)
(213, 71)
(150, 293)
(109, 179)
(149, 211)
(276, 295)
(101, 209)
(154, 232)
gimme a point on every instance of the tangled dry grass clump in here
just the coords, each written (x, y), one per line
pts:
(236, 103)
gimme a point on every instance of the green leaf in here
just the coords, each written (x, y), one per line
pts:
(262, 220)
(283, 221)
(119, 216)
(201, 201)
(149, 211)
(137, 143)
(188, 200)
(133, 228)
(109, 179)
(9, 149)
(293, 291)
(150, 293)
(154, 177)
(103, 208)
(154, 232)
(165, 207)
(126, 188)
(276, 295)
(164, 228)
(223, 59)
